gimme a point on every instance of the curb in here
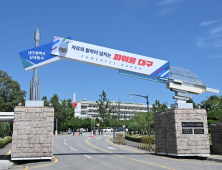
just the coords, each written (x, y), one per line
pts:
(132, 145)
(214, 159)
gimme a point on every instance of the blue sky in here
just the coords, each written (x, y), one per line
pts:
(186, 33)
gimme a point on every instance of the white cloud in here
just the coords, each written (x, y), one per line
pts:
(166, 10)
(208, 42)
(168, 6)
(216, 56)
(166, 2)
(216, 30)
(205, 23)
(134, 3)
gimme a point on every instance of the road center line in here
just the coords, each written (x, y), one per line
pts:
(127, 157)
(160, 156)
(88, 156)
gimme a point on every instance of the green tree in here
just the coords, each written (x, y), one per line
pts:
(74, 123)
(208, 104)
(10, 93)
(46, 102)
(66, 111)
(86, 123)
(217, 107)
(103, 101)
(56, 105)
(133, 127)
(194, 104)
(117, 109)
(156, 106)
(142, 119)
(4, 128)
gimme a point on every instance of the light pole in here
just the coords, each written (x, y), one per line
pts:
(125, 120)
(102, 118)
(147, 102)
(57, 123)
(113, 124)
(94, 123)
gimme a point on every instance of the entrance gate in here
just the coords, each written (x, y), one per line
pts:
(179, 80)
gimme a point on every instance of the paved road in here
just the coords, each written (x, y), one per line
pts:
(83, 152)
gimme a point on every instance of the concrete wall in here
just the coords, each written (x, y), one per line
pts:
(32, 133)
(216, 138)
(169, 137)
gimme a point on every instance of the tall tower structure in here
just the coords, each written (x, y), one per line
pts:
(34, 83)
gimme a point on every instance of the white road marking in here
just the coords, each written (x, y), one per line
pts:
(73, 149)
(112, 148)
(65, 140)
(88, 156)
(65, 143)
(96, 138)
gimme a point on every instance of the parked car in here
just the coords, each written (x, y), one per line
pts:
(119, 129)
(107, 129)
(83, 130)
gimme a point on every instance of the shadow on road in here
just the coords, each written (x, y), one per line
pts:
(87, 153)
(173, 157)
(5, 157)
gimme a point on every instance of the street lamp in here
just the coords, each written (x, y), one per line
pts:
(102, 118)
(147, 102)
(113, 122)
(125, 119)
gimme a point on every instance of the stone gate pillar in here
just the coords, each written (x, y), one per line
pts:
(32, 133)
(182, 132)
(216, 138)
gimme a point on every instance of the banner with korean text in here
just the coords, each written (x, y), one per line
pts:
(111, 58)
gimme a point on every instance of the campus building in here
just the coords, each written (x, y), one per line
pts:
(90, 109)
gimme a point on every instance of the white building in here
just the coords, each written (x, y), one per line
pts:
(90, 109)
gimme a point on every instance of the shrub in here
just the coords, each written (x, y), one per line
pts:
(147, 139)
(5, 141)
(131, 138)
(133, 127)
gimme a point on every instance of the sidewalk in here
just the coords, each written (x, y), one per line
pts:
(131, 143)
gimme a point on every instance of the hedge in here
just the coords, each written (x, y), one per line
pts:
(5, 141)
(135, 139)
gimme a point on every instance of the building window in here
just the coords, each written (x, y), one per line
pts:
(83, 107)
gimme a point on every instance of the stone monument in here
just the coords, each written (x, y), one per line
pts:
(182, 132)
